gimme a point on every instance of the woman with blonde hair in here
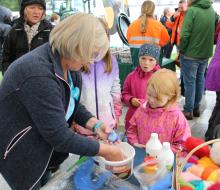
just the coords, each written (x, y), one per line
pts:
(29, 31)
(146, 30)
(160, 114)
(39, 100)
(101, 91)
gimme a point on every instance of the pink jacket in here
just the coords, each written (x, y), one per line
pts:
(135, 87)
(169, 123)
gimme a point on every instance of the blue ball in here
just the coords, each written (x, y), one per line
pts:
(113, 137)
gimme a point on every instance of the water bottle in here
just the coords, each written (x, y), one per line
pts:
(166, 156)
(153, 145)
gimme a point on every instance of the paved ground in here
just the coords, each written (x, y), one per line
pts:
(198, 128)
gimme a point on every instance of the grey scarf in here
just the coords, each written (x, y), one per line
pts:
(31, 31)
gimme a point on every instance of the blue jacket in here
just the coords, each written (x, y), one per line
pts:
(33, 101)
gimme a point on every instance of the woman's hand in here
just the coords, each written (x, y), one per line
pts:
(103, 131)
(111, 152)
(135, 102)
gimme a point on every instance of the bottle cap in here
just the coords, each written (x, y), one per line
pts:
(166, 145)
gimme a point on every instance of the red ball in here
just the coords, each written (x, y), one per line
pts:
(193, 142)
(186, 188)
(214, 187)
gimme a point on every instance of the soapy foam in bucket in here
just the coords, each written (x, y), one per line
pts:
(123, 169)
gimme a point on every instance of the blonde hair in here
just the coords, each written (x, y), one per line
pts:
(165, 83)
(107, 58)
(78, 36)
(147, 10)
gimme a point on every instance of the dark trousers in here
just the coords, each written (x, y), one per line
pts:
(182, 90)
(214, 119)
(167, 50)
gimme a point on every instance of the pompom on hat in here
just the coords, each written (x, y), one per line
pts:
(150, 50)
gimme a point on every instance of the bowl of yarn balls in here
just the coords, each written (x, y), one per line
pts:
(203, 171)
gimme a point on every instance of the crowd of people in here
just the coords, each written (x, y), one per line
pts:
(61, 90)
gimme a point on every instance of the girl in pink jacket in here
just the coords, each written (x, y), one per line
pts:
(134, 89)
(160, 114)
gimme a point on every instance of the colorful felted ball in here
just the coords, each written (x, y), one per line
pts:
(197, 170)
(188, 176)
(213, 176)
(214, 187)
(214, 153)
(207, 172)
(193, 142)
(198, 184)
(193, 159)
(186, 188)
(186, 184)
(207, 162)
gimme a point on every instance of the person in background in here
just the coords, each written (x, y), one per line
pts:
(146, 30)
(39, 100)
(160, 114)
(101, 91)
(5, 27)
(196, 47)
(213, 84)
(29, 31)
(175, 23)
(134, 89)
(55, 19)
(167, 49)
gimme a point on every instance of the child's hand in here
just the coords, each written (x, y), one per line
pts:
(139, 145)
(135, 102)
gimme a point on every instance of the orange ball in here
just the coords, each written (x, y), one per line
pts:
(207, 171)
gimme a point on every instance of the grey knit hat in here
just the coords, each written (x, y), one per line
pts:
(150, 50)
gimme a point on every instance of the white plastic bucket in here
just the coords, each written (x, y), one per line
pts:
(123, 169)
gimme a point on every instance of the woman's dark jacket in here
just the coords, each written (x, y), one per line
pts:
(16, 43)
(33, 99)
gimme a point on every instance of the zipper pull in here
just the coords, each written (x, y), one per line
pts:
(5, 155)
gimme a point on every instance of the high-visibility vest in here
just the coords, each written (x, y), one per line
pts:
(155, 34)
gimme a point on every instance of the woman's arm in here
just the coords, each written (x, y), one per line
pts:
(47, 113)
(111, 152)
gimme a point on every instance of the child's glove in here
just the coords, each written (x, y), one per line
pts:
(82, 178)
(163, 184)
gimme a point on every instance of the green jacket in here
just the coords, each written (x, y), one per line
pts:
(197, 33)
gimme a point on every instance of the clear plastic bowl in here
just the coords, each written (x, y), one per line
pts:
(146, 175)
